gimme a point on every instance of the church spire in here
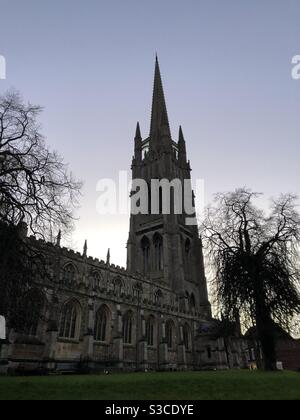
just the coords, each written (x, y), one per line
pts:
(159, 117)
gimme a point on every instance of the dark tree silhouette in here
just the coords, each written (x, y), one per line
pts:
(35, 184)
(36, 190)
(255, 260)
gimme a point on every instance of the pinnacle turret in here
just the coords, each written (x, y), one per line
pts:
(85, 248)
(181, 147)
(138, 135)
(138, 143)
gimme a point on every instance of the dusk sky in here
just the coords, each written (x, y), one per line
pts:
(226, 67)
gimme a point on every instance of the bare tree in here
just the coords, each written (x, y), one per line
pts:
(35, 184)
(36, 189)
(255, 260)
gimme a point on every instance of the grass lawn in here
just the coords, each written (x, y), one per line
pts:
(157, 386)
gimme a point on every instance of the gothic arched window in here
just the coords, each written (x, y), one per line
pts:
(69, 274)
(158, 245)
(102, 325)
(158, 297)
(187, 337)
(70, 320)
(96, 279)
(118, 286)
(146, 254)
(170, 334)
(137, 291)
(150, 325)
(127, 328)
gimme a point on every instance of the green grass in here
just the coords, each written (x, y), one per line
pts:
(236, 385)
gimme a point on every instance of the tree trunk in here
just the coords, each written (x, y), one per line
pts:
(265, 335)
(264, 325)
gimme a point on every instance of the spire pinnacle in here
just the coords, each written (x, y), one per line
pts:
(138, 135)
(108, 257)
(159, 117)
(181, 136)
(85, 248)
(138, 143)
(182, 147)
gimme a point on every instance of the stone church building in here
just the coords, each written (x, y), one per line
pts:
(154, 315)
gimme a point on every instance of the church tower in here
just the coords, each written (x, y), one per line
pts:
(162, 245)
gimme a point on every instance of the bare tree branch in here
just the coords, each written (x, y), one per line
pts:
(256, 262)
(36, 189)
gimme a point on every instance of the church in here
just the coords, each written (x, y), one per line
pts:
(154, 315)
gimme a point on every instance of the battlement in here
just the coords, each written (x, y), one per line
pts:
(68, 253)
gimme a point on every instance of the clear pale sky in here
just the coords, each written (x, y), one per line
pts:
(226, 66)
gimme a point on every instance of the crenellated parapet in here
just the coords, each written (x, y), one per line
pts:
(74, 272)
